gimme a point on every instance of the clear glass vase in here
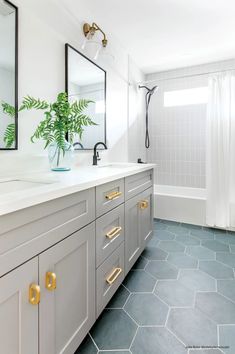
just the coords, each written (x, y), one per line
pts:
(60, 160)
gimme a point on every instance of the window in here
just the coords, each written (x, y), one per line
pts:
(198, 95)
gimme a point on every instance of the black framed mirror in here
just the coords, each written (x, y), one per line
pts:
(84, 79)
(8, 75)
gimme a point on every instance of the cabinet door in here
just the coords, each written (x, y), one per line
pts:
(133, 240)
(18, 317)
(146, 216)
(68, 308)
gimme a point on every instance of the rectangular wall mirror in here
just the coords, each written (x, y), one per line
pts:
(84, 79)
(8, 75)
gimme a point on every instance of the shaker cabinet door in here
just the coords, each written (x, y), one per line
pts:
(133, 240)
(67, 279)
(146, 216)
(138, 226)
(19, 317)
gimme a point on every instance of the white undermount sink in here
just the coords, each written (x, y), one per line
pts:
(117, 165)
(17, 184)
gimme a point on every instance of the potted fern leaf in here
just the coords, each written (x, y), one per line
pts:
(10, 132)
(60, 118)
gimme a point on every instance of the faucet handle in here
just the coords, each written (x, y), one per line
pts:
(98, 156)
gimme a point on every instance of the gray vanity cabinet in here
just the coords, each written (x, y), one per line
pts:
(18, 317)
(63, 260)
(67, 281)
(138, 226)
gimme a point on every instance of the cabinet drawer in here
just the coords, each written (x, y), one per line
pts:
(109, 277)
(26, 233)
(137, 183)
(109, 196)
(109, 233)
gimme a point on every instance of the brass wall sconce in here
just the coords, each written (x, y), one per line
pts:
(90, 30)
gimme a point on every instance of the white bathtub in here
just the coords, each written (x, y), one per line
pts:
(181, 204)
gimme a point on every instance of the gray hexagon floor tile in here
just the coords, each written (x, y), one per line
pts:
(216, 307)
(203, 234)
(227, 288)
(187, 240)
(171, 246)
(182, 260)
(192, 327)
(139, 281)
(174, 293)
(119, 299)
(87, 346)
(205, 351)
(164, 235)
(146, 309)
(228, 239)
(216, 269)
(215, 246)
(162, 270)
(226, 258)
(156, 340)
(197, 280)
(153, 242)
(227, 338)
(114, 352)
(200, 252)
(169, 222)
(140, 263)
(159, 226)
(178, 230)
(232, 248)
(154, 253)
(191, 227)
(109, 324)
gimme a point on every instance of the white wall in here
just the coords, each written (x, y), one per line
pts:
(44, 28)
(177, 134)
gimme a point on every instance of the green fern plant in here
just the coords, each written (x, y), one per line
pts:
(10, 132)
(60, 118)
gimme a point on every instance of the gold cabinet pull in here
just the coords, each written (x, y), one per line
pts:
(50, 281)
(114, 232)
(143, 204)
(115, 274)
(113, 195)
(34, 294)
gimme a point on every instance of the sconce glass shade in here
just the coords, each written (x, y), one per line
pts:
(103, 52)
(91, 46)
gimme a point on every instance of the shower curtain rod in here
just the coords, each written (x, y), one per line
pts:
(184, 76)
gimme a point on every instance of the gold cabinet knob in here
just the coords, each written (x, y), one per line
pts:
(114, 275)
(114, 232)
(34, 294)
(50, 281)
(143, 204)
(113, 195)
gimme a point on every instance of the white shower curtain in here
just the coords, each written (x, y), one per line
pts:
(220, 149)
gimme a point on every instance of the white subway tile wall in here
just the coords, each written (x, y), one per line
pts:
(178, 133)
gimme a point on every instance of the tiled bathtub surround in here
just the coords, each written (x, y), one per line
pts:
(181, 292)
(178, 133)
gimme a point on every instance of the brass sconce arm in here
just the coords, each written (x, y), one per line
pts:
(92, 29)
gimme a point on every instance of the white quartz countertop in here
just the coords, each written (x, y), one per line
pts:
(54, 185)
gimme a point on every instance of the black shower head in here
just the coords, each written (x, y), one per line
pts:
(150, 90)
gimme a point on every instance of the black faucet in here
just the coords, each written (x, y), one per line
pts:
(96, 154)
